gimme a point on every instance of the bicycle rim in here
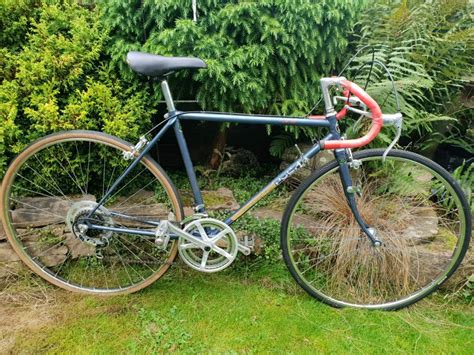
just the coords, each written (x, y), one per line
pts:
(59, 179)
(418, 212)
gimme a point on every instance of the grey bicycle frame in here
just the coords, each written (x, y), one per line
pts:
(173, 118)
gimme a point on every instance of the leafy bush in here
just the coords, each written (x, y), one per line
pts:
(63, 64)
(464, 175)
(263, 56)
(266, 229)
(54, 77)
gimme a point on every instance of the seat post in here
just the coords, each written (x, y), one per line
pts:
(167, 94)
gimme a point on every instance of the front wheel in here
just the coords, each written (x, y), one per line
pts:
(58, 180)
(418, 211)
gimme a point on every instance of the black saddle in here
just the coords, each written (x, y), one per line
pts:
(157, 65)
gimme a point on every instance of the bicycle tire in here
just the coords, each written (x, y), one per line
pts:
(406, 243)
(145, 264)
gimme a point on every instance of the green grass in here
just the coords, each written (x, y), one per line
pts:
(243, 311)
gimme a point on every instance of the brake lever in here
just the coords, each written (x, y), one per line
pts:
(353, 100)
(395, 120)
(360, 112)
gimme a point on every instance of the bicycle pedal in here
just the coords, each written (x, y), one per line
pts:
(246, 244)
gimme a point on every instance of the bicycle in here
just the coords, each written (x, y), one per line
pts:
(377, 229)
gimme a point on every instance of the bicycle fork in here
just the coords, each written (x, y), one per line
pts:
(342, 158)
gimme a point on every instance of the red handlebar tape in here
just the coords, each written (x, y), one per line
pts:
(377, 120)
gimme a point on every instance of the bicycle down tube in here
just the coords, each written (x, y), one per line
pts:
(199, 207)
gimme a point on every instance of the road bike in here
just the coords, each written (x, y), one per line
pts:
(377, 229)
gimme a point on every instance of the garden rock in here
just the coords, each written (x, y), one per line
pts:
(465, 270)
(214, 200)
(424, 227)
(221, 199)
(153, 211)
(77, 248)
(262, 213)
(7, 254)
(141, 197)
(49, 255)
(10, 263)
(50, 209)
(429, 261)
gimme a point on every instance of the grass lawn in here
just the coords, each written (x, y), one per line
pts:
(237, 311)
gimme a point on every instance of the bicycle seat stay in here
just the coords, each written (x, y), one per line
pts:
(157, 65)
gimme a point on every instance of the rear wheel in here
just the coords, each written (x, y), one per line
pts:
(58, 180)
(418, 211)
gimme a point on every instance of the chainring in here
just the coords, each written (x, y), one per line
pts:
(222, 249)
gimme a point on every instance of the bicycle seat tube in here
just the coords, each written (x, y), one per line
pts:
(183, 147)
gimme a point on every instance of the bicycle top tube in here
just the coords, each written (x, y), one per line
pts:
(328, 120)
(252, 119)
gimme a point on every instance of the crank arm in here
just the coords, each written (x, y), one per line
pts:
(243, 249)
(198, 241)
(189, 237)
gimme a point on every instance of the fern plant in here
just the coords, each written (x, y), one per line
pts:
(428, 48)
